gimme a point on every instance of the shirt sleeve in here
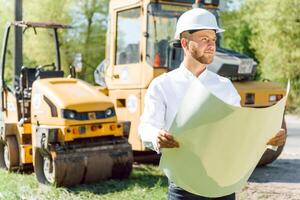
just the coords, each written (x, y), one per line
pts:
(153, 117)
(235, 98)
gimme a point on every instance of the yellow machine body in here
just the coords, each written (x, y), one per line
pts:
(64, 127)
(127, 82)
(51, 96)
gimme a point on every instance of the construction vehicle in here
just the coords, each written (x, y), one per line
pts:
(140, 47)
(62, 126)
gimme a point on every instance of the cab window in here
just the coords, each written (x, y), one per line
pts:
(128, 36)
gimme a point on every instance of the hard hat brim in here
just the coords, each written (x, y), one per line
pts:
(218, 30)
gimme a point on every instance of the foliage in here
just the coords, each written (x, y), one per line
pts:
(38, 45)
(268, 31)
(87, 37)
(238, 34)
(6, 10)
(276, 38)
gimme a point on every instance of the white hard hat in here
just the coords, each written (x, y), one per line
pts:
(196, 19)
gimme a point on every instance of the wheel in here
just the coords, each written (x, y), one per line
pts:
(122, 166)
(121, 170)
(2, 162)
(269, 155)
(9, 158)
(44, 168)
(48, 169)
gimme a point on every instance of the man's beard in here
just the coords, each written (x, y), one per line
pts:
(203, 59)
(206, 58)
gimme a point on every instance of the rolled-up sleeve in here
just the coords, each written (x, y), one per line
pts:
(153, 117)
(236, 98)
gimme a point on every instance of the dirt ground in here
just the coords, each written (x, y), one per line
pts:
(281, 179)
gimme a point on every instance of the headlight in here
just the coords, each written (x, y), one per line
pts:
(69, 114)
(272, 98)
(245, 66)
(109, 112)
(72, 114)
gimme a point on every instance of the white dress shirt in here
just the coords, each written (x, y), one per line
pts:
(165, 94)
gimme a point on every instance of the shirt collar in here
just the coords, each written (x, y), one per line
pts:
(187, 73)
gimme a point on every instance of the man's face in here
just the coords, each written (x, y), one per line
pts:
(202, 45)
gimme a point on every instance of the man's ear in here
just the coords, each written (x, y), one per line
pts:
(184, 43)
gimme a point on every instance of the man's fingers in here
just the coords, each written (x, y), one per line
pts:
(279, 139)
(169, 136)
(276, 141)
(166, 140)
(281, 133)
(162, 140)
(166, 146)
(171, 139)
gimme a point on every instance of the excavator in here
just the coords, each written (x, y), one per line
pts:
(140, 47)
(63, 127)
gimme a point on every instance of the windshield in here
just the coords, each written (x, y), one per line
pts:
(38, 47)
(162, 19)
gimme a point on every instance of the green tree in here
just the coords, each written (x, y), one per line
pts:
(238, 34)
(275, 28)
(5, 17)
(38, 45)
(89, 19)
(268, 31)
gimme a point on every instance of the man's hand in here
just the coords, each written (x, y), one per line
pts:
(166, 140)
(279, 139)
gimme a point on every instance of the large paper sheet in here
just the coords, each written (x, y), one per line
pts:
(220, 144)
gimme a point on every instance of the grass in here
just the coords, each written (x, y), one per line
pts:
(146, 182)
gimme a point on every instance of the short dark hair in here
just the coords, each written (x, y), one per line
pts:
(193, 31)
(183, 35)
(190, 32)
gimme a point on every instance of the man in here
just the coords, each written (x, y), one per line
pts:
(196, 30)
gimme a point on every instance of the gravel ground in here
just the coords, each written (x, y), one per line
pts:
(281, 179)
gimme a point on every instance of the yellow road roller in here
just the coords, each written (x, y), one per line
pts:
(63, 127)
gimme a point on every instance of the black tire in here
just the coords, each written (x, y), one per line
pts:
(121, 170)
(2, 162)
(269, 155)
(122, 167)
(10, 157)
(39, 167)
